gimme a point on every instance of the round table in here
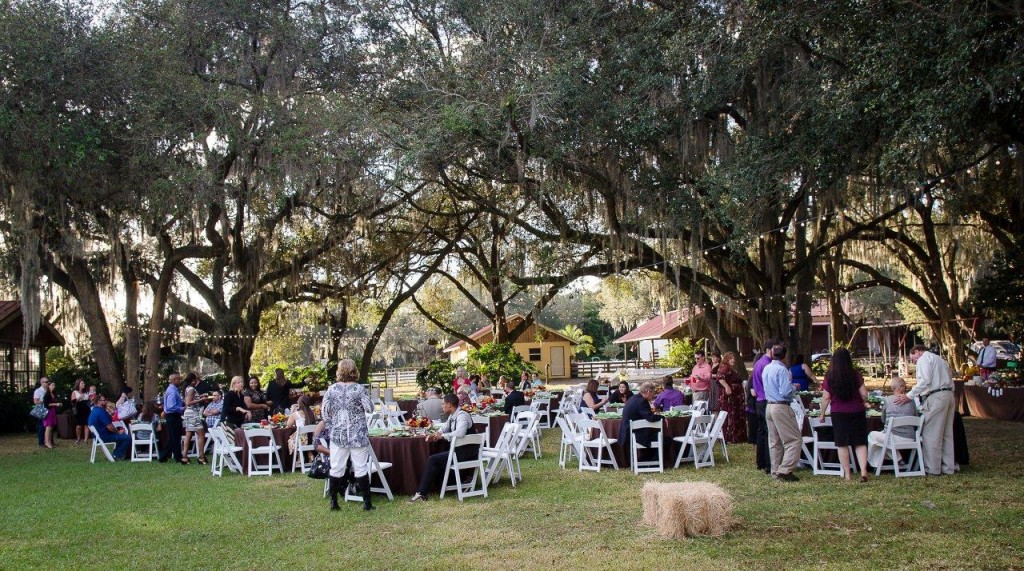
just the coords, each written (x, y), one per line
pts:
(494, 426)
(408, 456)
(671, 427)
(1007, 406)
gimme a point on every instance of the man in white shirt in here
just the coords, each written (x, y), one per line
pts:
(986, 359)
(458, 424)
(37, 398)
(935, 389)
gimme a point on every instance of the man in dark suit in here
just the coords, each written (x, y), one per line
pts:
(513, 397)
(638, 407)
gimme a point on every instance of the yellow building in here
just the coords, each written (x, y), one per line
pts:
(550, 351)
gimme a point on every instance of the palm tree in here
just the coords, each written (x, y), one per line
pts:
(584, 342)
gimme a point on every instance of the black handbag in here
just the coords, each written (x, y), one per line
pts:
(320, 469)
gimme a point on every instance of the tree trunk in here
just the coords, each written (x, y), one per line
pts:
(155, 338)
(92, 310)
(131, 334)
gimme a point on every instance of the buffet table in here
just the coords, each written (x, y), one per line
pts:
(1008, 406)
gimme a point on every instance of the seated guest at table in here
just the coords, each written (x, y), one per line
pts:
(536, 382)
(502, 382)
(150, 416)
(213, 411)
(474, 385)
(513, 398)
(234, 410)
(844, 389)
(802, 374)
(669, 397)
(620, 395)
(891, 410)
(431, 406)
(638, 407)
(301, 416)
(524, 382)
(463, 394)
(459, 423)
(484, 384)
(322, 439)
(279, 391)
(256, 400)
(590, 398)
(126, 409)
(100, 419)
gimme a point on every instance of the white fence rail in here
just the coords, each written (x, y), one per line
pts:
(590, 369)
(394, 377)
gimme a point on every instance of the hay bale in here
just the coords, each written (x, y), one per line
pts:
(681, 509)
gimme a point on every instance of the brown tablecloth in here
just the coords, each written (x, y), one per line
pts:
(65, 425)
(959, 401)
(280, 438)
(408, 456)
(494, 427)
(408, 407)
(672, 427)
(1008, 406)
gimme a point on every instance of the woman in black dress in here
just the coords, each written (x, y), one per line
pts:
(82, 406)
(256, 400)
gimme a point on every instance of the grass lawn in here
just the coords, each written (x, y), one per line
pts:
(57, 510)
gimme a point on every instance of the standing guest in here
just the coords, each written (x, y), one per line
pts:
(52, 403)
(668, 398)
(461, 378)
(700, 377)
(802, 374)
(844, 389)
(301, 416)
(590, 398)
(621, 395)
(935, 389)
(459, 423)
(474, 385)
(513, 398)
(174, 406)
(431, 406)
(126, 408)
(279, 391)
(784, 438)
(761, 408)
(876, 454)
(80, 402)
(715, 389)
(193, 419)
(731, 400)
(37, 398)
(256, 400)
(638, 407)
(234, 410)
(986, 359)
(100, 419)
(213, 411)
(344, 412)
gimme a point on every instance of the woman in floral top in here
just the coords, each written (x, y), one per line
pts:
(344, 413)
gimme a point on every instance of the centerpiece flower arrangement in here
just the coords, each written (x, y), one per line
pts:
(528, 393)
(419, 422)
(539, 388)
(471, 409)
(279, 420)
(486, 403)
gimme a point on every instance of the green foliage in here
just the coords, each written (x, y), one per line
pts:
(584, 343)
(680, 354)
(1000, 294)
(496, 359)
(320, 376)
(438, 373)
(64, 369)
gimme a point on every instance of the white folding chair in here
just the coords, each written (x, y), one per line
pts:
(389, 395)
(893, 443)
(143, 442)
(471, 488)
(98, 443)
(593, 448)
(303, 445)
(697, 441)
(376, 419)
(717, 435)
(529, 434)
(119, 425)
(501, 457)
(271, 450)
(569, 444)
(393, 418)
(635, 447)
(542, 406)
(518, 409)
(699, 407)
(818, 464)
(225, 452)
(481, 420)
(588, 412)
(376, 468)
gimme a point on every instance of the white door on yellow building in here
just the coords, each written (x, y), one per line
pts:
(558, 362)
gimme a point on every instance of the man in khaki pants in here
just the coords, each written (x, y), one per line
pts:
(935, 389)
(784, 437)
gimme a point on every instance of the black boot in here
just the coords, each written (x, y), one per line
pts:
(364, 487)
(334, 487)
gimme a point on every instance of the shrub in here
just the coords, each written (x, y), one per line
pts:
(438, 373)
(496, 359)
(680, 354)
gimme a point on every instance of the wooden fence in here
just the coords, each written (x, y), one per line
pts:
(394, 377)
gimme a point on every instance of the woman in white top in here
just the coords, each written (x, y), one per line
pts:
(302, 415)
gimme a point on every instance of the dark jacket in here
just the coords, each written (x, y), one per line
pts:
(637, 408)
(514, 399)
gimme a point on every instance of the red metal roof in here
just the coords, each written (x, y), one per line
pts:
(658, 327)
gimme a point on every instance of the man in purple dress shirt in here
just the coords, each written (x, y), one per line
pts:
(757, 388)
